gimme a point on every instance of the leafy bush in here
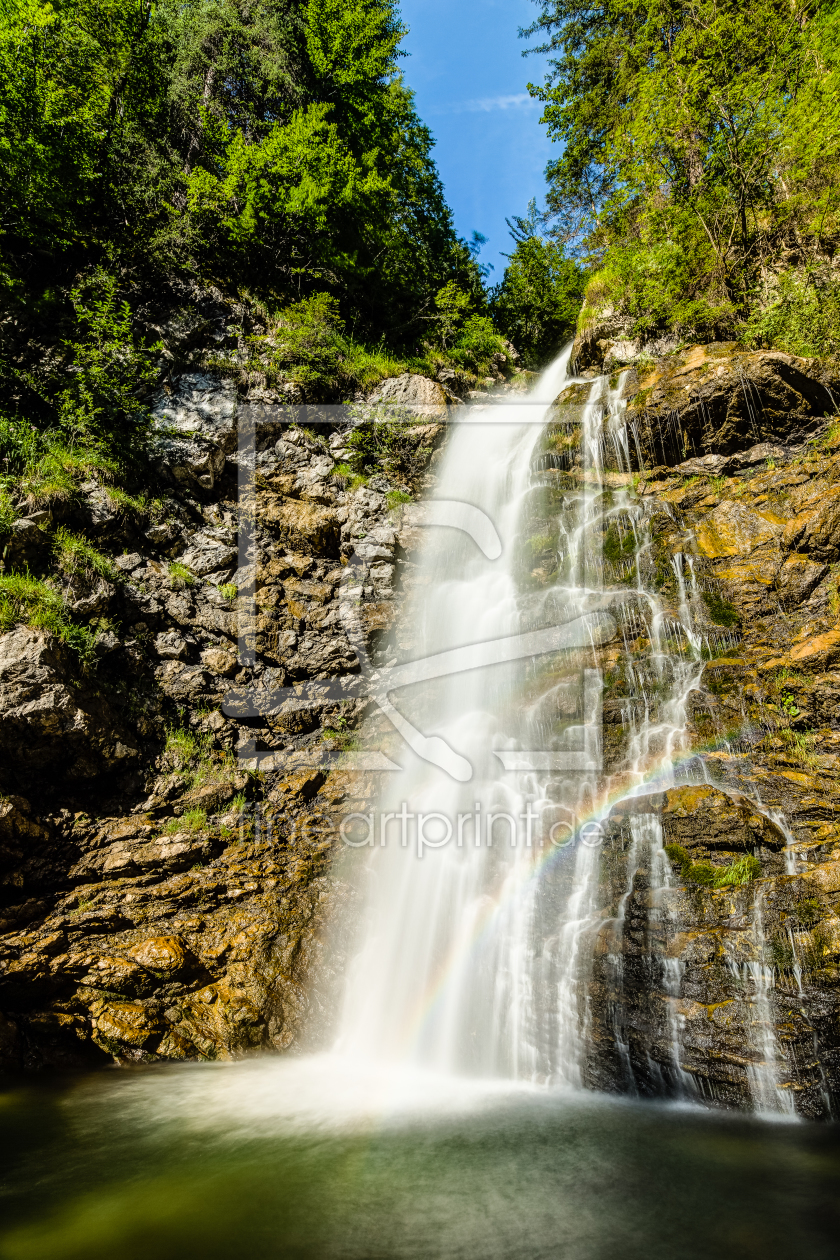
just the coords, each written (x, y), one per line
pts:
(477, 345)
(228, 591)
(110, 371)
(802, 318)
(304, 344)
(20, 445)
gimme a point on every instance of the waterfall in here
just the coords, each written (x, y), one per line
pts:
(484, 898)
(480, 897)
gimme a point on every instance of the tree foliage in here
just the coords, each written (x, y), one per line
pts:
(268, 147)
(700, 147)
(538, 300)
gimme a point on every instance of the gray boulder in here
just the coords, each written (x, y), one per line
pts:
(416, 393)
(197, 429)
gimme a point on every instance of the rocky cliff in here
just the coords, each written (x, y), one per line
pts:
(165, 872)
(700, 985)
(163, 862)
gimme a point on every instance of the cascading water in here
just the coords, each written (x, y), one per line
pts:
(484, 894)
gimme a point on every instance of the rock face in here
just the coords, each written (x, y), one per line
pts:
(680, 1014)
(157, 899)
(719, 399)
(731, 991)
(53, 721)
(162, 898)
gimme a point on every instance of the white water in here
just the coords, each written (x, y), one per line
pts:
(448, 976)
(478, 944)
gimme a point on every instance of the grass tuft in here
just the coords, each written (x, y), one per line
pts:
(180, 576)
(78, 557)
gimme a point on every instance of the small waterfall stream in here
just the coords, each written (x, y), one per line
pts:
(484, 894)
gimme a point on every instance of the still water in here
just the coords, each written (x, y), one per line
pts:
(310, 1158)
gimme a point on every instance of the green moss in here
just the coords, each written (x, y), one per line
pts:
(721, 612)
(617, 549)
(808, 912)
(700, 873)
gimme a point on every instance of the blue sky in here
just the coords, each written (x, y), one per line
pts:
(469, 77)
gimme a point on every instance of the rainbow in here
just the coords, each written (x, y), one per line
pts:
(658, 778)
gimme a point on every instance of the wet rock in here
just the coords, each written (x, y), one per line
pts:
(733, 529)
(816, 529)
(704, 818)
(723, 399)
(821, 651)
(162, 953)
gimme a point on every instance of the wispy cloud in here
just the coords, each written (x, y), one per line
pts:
(484, 104)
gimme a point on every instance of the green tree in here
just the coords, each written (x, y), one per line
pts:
(537, 303)
(268, 147)
(679, 167)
